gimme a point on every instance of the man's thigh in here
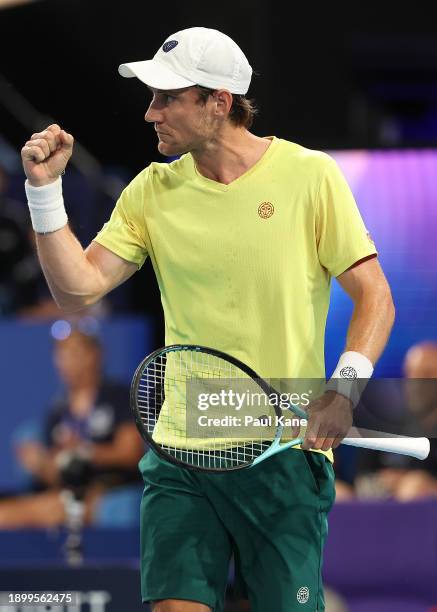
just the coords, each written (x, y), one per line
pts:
(277, 516)
(185, 549)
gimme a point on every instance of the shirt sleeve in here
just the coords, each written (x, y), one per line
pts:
(125, 234)
(342, 238)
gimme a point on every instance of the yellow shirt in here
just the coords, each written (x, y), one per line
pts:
(246, 267)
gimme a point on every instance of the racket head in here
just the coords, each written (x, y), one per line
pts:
(154, 385)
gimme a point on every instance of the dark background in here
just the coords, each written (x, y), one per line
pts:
(330, 75)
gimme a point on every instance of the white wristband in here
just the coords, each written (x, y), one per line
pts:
(350, 376)
(46, 206)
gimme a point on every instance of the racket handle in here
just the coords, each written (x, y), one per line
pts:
(389, 443)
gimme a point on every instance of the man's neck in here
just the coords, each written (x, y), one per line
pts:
(230, 155)
(82, 395)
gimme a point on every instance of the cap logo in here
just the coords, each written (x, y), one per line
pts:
(169, 45)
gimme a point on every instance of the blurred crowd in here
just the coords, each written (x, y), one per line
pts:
(87, 448)
(378, 475)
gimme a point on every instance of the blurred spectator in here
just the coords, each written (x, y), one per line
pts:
(397, 476)
(334, 602)
(90, 444)
(343, 457)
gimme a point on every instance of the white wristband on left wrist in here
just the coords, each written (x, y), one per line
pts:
(351, 376)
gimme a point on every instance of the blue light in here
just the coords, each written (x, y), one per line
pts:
(60, 330)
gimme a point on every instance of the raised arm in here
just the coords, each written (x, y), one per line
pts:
(76, 277)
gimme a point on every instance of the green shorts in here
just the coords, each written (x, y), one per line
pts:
(272, 518)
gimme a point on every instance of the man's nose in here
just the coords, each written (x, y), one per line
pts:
(153, 115)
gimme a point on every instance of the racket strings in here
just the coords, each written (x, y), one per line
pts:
(165, 411)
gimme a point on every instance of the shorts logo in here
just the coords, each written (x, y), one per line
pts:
(169, 45)
(348, 372)
(303, 595)
(266, 210)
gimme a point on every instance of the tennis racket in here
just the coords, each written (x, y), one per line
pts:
(165, 398)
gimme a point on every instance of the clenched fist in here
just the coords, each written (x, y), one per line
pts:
(46, 154)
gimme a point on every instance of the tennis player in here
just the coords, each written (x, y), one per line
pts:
(245, 234)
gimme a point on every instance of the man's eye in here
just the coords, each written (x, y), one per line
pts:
(169, 98)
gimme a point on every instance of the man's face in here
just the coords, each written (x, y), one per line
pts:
(181, 121)
(76, 358)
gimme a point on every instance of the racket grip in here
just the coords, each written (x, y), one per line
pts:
(389, 443)
(376, 440)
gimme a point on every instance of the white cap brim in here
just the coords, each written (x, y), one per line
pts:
(154, 74)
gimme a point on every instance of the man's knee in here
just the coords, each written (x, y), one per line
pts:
(179, 605)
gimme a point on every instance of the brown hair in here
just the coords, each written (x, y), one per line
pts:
(242, 111)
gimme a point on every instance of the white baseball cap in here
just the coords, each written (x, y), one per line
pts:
(196, 56)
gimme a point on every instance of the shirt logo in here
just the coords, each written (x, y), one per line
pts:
(266, 210)
(303, 595)
(169, 45)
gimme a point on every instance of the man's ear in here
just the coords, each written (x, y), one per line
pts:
(223, 99)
